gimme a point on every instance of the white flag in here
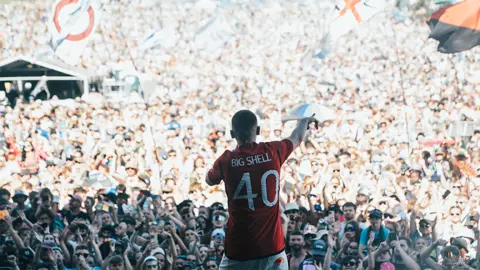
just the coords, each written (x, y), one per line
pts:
(71, 25)
(164, 37)
(214, 34)
(349, 14)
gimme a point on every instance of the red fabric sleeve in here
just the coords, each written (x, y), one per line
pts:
(215, 174)
(283, 149)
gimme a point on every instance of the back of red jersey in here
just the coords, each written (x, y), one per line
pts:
(252, 179)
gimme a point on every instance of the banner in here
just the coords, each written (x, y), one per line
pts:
(214, 34)
(351, 13)
(71, 24)
(347, 15)
(165, 38)
(463, 128)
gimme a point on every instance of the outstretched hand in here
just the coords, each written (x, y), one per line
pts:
(311, 120)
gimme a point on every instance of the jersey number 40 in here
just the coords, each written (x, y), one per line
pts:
(245, 182)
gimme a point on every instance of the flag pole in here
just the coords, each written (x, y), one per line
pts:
(401, 77)
(455, 78)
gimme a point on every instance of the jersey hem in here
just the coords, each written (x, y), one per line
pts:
(255, 258)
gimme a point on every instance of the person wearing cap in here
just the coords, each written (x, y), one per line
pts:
(159, 254)
(450, 255)
(334, 209)
(319, 250)
(25, 257)
(309, 233)
(74, 209)
(130, 222)
(362, 197)
(217, 237)
(462, 245)
(426, 229)
(19, 198)
(122, 198)
(292, 210)
(4, 193)
(381, 233)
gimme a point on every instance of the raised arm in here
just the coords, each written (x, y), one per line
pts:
(215, 174)
(409, 262)
(425, 255)
(16, 238)
(328, 256)
(413, 222)
(298, 134)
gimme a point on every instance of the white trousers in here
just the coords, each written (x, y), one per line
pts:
(275, 262)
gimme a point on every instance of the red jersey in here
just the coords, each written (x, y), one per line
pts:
(252, 181)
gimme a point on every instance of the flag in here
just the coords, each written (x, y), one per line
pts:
(348, 15)
(71, 24)
(214, 34)
(456, 27)
(441, 2)
(164, 37)
(351, 13)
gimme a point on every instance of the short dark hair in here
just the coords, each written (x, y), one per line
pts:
(349, 204)
(45, 212)
(243, 122)
(48, 266)
(83, 247)
(296, 232)
(406, 239)
(117, 259)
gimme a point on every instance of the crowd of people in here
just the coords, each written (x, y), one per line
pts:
(95, 183)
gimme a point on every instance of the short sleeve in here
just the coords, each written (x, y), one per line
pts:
(215, 174)
(363, 237)
(386, 232)
(282, 149)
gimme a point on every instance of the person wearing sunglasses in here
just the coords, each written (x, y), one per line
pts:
(309, 233)
(350, 212)
(426, 229)
(349, 263)
(80, 257)
(381, 233)
(219, 219)
(453, 223)
(351, 232)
